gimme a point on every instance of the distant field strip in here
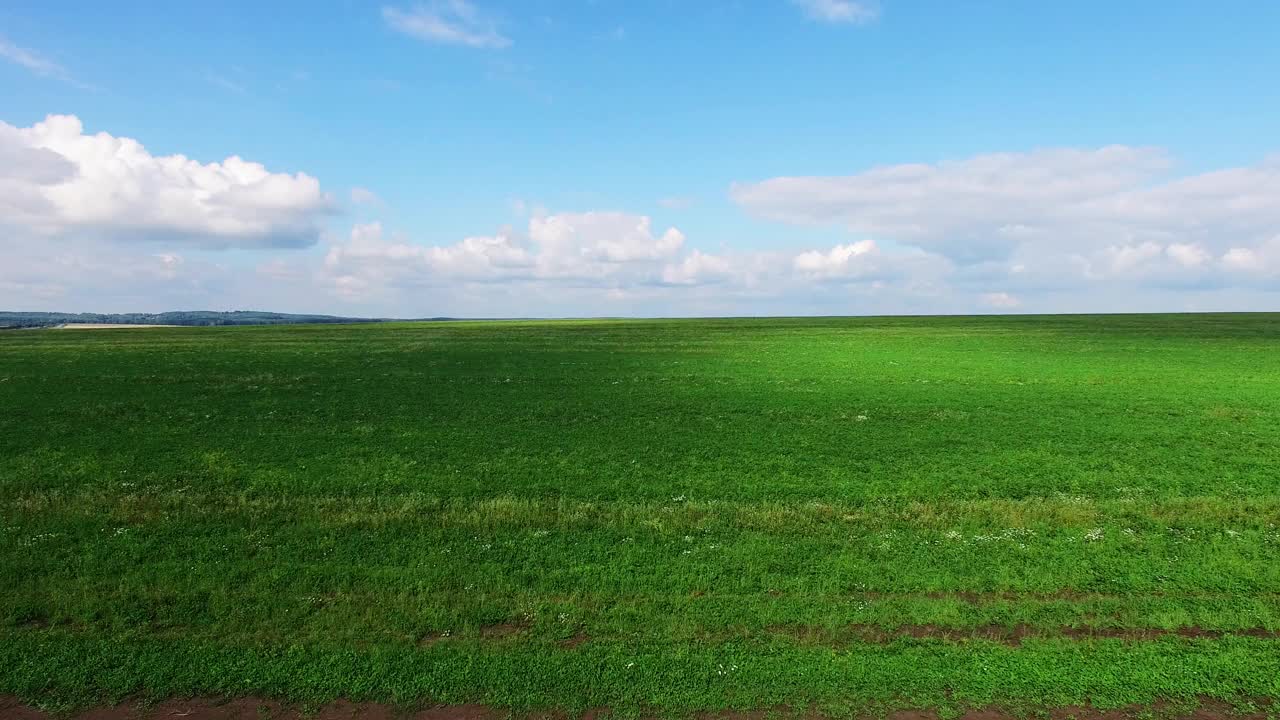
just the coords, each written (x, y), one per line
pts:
(651, 516)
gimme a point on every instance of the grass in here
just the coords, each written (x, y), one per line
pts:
(656, 516)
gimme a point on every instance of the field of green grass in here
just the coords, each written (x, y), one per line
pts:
(656, 517)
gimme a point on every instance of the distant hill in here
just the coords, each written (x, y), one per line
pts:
(192, 317)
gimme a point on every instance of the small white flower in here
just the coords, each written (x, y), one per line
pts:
(1093, 535)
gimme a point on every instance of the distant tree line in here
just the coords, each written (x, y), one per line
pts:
(190, 317)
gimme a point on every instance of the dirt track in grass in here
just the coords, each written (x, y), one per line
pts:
(1008, 635)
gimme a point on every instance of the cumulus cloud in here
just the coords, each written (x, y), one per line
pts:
(1001, 300)
(1050, 230)
(978, 206)
(1260, 261)
(591, 248)
(622, 260)
(450, 22)
(1188, 255)
(56, 181)
(839, 11)
(1047, 217)
(587, 243)
(841, 260)
(698, 268)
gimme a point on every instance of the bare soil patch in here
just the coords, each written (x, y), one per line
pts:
(501, 631)
(1012, 635)
(577, 639)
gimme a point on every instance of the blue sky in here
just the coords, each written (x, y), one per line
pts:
(482, 157)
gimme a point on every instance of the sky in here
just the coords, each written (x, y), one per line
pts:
(503, 158)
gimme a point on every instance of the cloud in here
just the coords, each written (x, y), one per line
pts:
(612, 257)
(1260, 261)
(1107, 212)
(56, 182)
(30, 60)
(88, 276)
(839, 11)
(1001, 300)
(839, 260)
(1188, 255)
(698, 268)
(1051, 230)
(37, 63)
(364, 196)
(449, 22)
(592, 248)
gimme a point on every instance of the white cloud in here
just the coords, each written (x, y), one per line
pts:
(1188, 254)
(839, 260)
(839, 11)
(697, 268)
(37, 63)
(1052, 230)
(88, 276)
(370, 260)
(364, 196)
(30, 60)
(1002, 300)
(618, 258)
(1059, 216)
(1126, 258)
(1262, 260)
(1242, 259)
(592, 248)
(574, 243)
(450, 22)
(56, 181)
(978, 206)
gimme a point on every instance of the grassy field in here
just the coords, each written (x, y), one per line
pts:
(650, 516)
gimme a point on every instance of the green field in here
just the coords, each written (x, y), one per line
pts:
(655, 517)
